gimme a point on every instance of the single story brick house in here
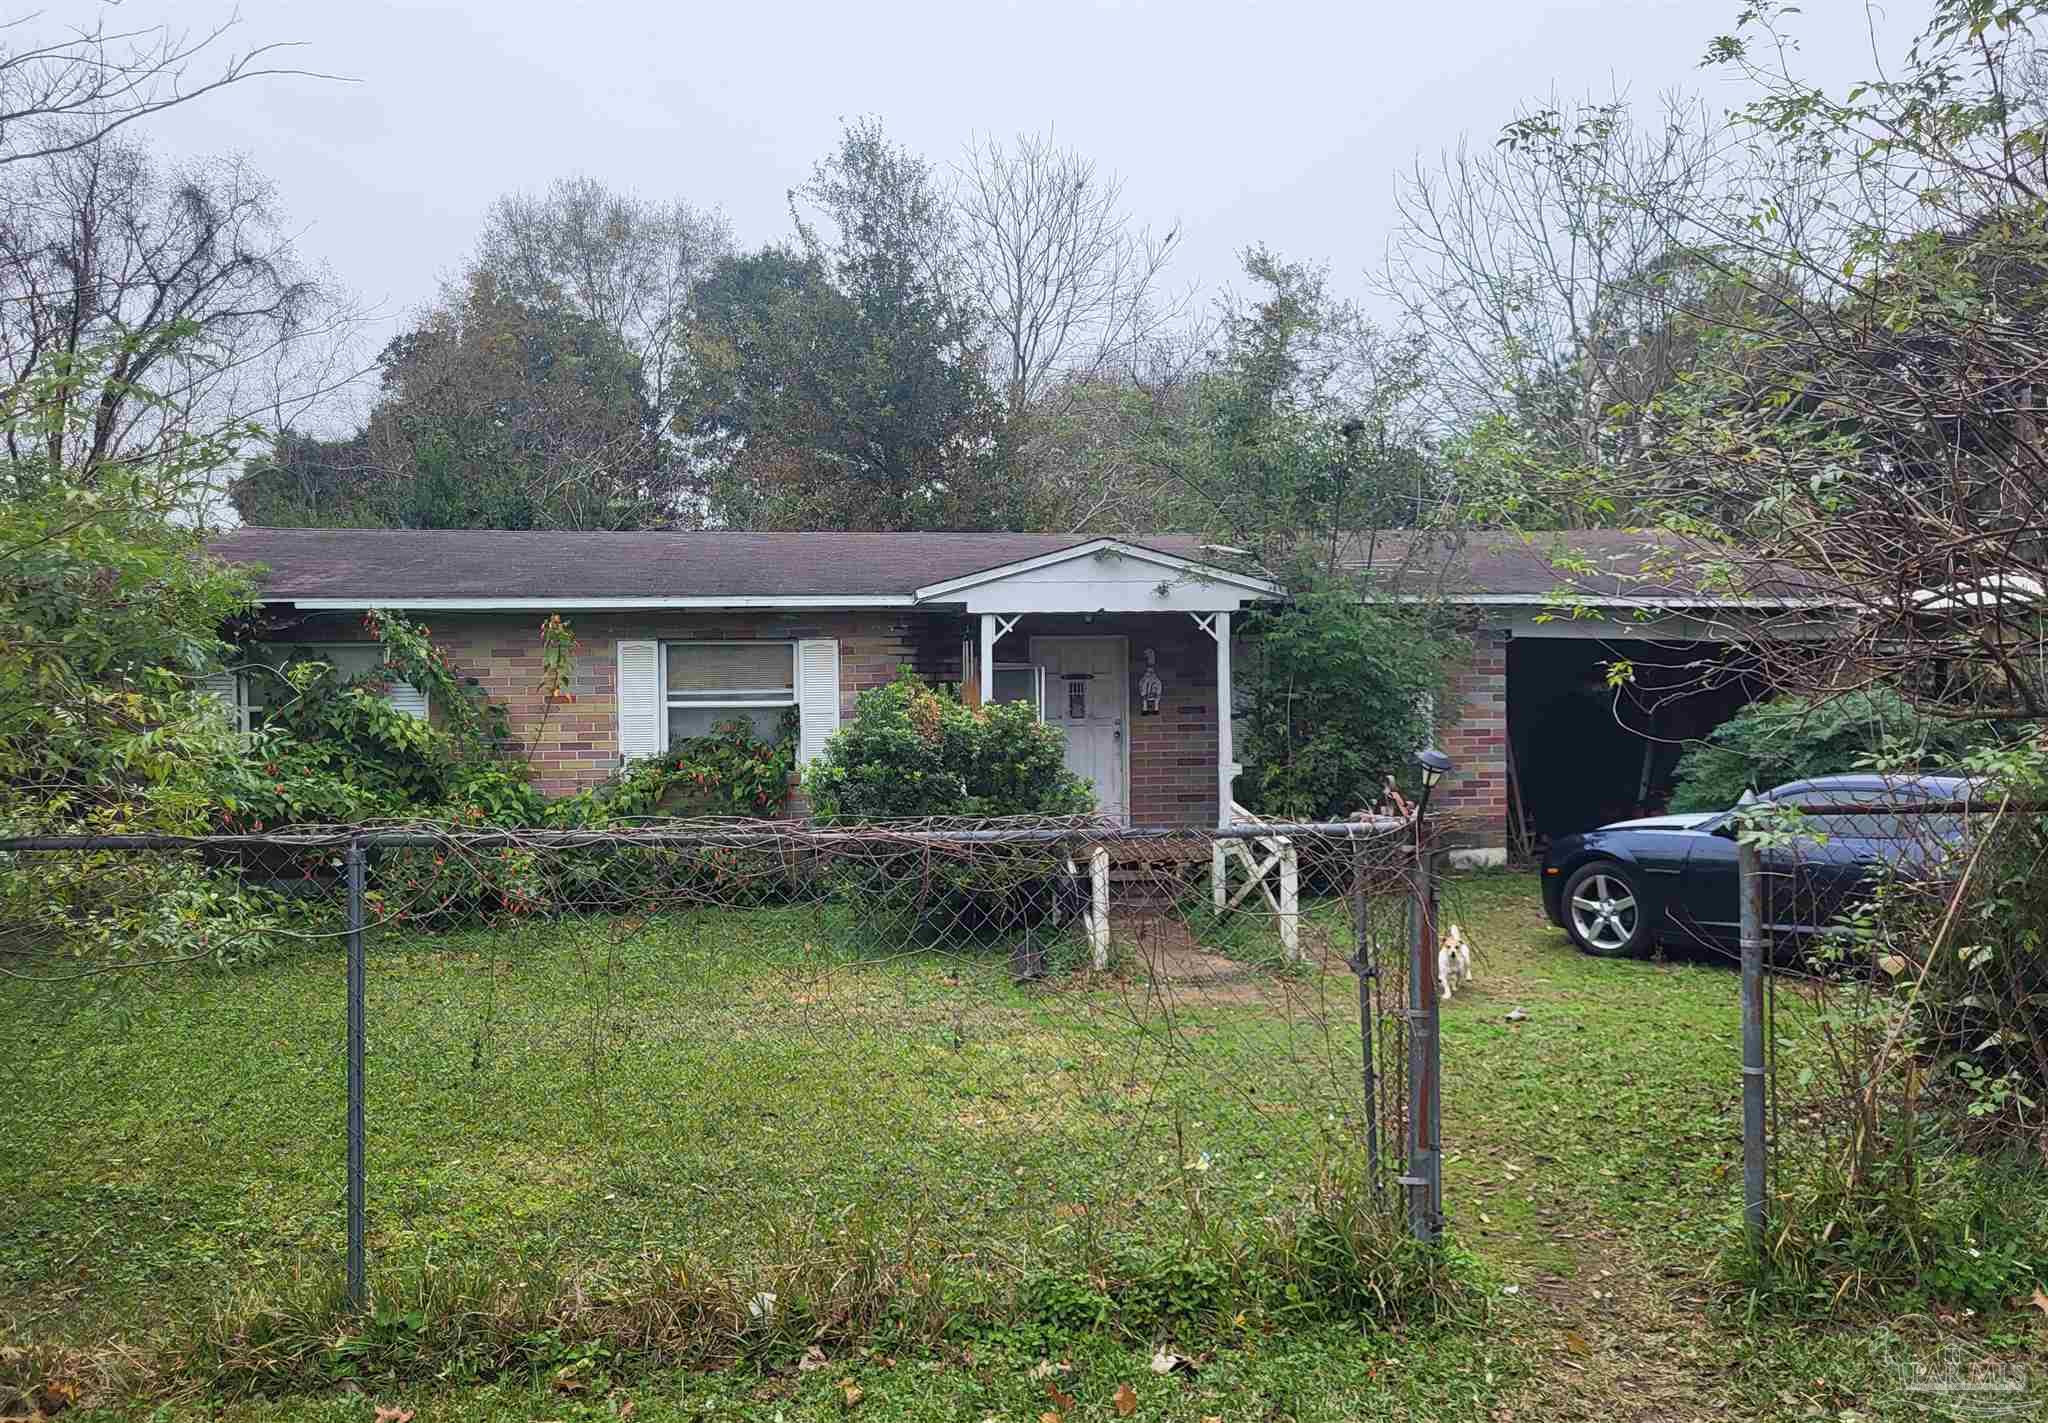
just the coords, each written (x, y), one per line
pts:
(1124, 642)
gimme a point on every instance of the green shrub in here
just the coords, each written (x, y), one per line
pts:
(1948, 1230)
(729, 771)
(1339, 694)
(1790, 738)
(913, 752)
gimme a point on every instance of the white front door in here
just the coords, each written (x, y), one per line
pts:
(1086, 683)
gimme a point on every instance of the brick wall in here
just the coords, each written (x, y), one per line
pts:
(575, 744)
(1472, 729)
(570, 745)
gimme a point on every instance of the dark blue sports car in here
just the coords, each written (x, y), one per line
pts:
(1619, 889)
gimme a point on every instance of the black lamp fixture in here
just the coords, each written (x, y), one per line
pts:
(1435, 766)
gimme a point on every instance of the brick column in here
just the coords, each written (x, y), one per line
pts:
(1472, 729)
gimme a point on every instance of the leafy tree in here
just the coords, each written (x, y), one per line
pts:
(302, 481)
(109, 612)
(1789, 738)
(1858, 423)
(501, 414)
(627, 263)
(836, 383)
(1339, 691)
(1301, 430)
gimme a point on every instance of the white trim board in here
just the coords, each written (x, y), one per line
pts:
(538, 605)
(1562, 605)
(1207, 573)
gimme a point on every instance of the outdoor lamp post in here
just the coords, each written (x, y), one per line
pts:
(1435, 766)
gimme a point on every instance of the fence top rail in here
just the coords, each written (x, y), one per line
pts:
(1985, 806)
(736, 834)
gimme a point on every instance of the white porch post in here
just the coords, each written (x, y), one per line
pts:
(1226, 769)
(988, 658)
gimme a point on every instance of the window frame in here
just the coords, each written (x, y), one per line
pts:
(245, 674)
(669, 705)
(1037, 671)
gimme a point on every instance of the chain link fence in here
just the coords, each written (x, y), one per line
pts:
(999, 1054)
(1889, 1017)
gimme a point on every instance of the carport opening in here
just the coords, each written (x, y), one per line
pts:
(1585, 752)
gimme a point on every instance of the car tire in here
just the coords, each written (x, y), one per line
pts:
(1604, 911)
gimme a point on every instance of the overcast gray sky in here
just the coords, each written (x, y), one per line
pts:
(1283, 123)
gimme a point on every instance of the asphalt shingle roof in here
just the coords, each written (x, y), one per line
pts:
(396, 564)
(393, 565)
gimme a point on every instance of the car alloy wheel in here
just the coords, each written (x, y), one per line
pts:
(1604, 912)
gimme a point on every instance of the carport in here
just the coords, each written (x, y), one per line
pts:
(1543, 742)
(1584, 751)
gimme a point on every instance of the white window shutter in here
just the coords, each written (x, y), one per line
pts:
(640, 710)
(405, 697)
(226, 688)
(817, 682)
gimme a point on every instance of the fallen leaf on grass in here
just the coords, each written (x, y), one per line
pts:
(2040, 1300)
(1576, 1342)
(393, 1415)
(850, 1392)
(1046, 1368)
(1126, 1400)
(813, 1359)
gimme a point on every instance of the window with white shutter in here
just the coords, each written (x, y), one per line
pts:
(818, 680)
(641, 720)
(227, 689)
(262, 683)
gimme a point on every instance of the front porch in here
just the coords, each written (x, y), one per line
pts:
(1140, 697)
(1128, 651)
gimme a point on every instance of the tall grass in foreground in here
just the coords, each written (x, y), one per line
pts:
(1339, 1254)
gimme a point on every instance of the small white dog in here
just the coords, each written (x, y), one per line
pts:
(1453, 962)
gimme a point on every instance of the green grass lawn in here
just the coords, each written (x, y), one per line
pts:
(716, 1106)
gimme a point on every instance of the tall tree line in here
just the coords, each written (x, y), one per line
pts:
(994, 343)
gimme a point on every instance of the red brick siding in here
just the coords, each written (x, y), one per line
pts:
(1472, 729)
(571, 745)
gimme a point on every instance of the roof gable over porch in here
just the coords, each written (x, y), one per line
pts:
(1104, 575)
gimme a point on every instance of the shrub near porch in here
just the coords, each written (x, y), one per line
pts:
(912, 751)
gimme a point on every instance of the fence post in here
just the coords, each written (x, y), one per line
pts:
(1424, 1178)
(1362, 964)
(357, 1290)
(1750, 885)
(1219, 875)
(1290, 901)
(1098, 927)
